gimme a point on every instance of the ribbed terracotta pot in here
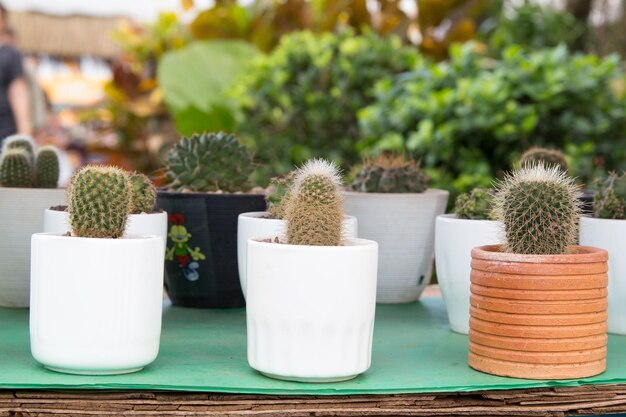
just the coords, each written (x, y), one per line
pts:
(538, 316)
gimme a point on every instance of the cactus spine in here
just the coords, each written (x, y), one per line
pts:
(47, 167)
(549, 157)
(475, 205)
(144, 193)
(15, 168)
(314, 213)
(389, 173)
(609, 201)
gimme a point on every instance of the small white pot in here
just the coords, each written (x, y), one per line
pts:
(143, 224)
(310, 309)
(454, 240)
(20, 217)
(610, 234)
(258, 223)
(96, 303)
(403, 224)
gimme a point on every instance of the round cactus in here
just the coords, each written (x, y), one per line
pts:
(277, 198)
(314, 212)
(24, 142)
(390, 174)
(100, 200)
(475, 205)
(609, 201)
(209, 162)
(539, 207)
(47, 167)
(15, 168)
(144, 193)
(549, 157)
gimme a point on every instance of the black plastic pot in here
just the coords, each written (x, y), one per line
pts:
(201, 259)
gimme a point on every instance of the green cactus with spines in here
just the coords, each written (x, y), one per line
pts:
(314, 214)
(99, 202)
(277, 198)
(144, 193)
(548, 156)
(475, 205)
(16, 169)
(19, 141)
(539, 207)
(47, 167)
(208, 163)
(609, 201)
(390, 173)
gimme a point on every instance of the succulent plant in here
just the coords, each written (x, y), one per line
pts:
(540, 208)
(47, 167)
(277, 199)
(20, 142)
(314, 212)
(390, 173)
(209, 162)
(15, 168)
(609, 201)
(547, 156)
(99, 202)
(26, 170)
(144, 193)
(475, 205)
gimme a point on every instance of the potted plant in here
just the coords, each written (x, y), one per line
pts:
(538, 302)
(28, 181)
(606, 229)
(97, 294)
(209, 187)
(311, 295)
(456, 234)
(394, 206)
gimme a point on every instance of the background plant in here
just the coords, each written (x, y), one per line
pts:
(475, 205)
(390, 173)
(278, 195)
(547, 156)
(610, 197)
(21, 165)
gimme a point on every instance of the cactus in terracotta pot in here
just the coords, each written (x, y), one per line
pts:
(144, 193)
(15, 168)
(610, 197)
(390, 173)
(549, 157)
(475, 205)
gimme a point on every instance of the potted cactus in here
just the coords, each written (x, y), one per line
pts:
(538, 301)
(606, 229)
(470, 225)
(311, 294)
(394, 206)
(28, 181)
(209, 186)
(97, 294)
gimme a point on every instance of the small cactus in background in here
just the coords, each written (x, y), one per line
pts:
(144, 193)
(390, 174)
(24, 142)
(47, 167)
(99, 202)
(539, 207)
(277, 198)
(15, 168)
(549, 157)
(475, 205)
(314, 212)
(609, 201)
(209, 162)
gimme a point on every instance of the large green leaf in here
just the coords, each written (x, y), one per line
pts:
(194, 79)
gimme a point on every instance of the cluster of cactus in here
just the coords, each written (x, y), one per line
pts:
(277, 198)
(475, 205)
(209, 162)
(539, 207)
(144, 193)
(390, 173)
(609, 201)
(314, 213)
(549, 157)
(20, 166)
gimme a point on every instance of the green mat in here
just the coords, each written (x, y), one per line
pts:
(205, 350)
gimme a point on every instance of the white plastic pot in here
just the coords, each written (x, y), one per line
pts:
(257, 224)
(454, 240)
(610, 234)
(310, 309)
(404, 227)
(96, 303)
(20, 217)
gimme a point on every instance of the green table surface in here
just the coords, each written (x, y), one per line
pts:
(205, 350)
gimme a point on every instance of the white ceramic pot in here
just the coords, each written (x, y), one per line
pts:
(404, 227)
(454, 241)
(258, 224)
(20, 217)
(96, 303)
(55, 221)
(310, 309)
(610, 234)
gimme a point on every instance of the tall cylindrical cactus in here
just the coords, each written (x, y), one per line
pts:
(47, 167)
(100, 200)
(144, 193)
(15, 168)
(314, 213)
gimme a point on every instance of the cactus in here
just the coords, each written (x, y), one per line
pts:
(547, 156)
(15, 168)
(475, 205)
(278, 196)
(47, 167)
(314, 212)
(24, 142)
(539, 207)
(144, 193)
(388, 173)
(99, 202)
(609, 201)
(209, 162)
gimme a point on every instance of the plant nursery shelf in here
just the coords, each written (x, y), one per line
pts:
(419, 367)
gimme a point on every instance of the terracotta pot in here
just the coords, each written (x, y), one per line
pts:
(538, 316)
